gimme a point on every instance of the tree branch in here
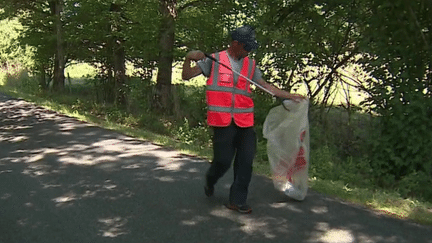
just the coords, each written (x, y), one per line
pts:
(341, 63)
(420, 29)
(196, 3)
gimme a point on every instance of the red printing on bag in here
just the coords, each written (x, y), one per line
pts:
(299, 165)
(283, 170)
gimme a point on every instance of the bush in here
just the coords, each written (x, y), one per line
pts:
(340, 150)
(339, 146)
(400, 148)
(324, 163)
(198, 135)
(153, 123)
(191, 104)
(416, 184)
(20, 79)
(139, 96)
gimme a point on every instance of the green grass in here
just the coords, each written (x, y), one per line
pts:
(85, 116)
(381, 201)
(79, 70)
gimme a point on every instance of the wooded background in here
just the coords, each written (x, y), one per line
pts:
(379, 47)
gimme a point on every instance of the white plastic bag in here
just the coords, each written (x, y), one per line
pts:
(286, 129)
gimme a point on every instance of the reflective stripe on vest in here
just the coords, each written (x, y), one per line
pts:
(229, 98)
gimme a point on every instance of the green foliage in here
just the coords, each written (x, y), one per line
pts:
(139, 98)
(323, 163)
(11, 52)
(348, 131)
(401, 148)
(3, 77)
(190, 126)
(190, 103)
(303, 43)
(413, 185)
(153, 123)
(326, 164)
(198, 135)
(18, 77)
(400, 92)
(307, 43)
(202, 26)
(347, 178)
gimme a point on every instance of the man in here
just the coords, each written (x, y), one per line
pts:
(230, 111)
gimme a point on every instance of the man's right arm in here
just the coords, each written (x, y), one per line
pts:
(189, 72)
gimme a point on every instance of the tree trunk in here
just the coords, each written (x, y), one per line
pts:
(109, 86)
(166, 44)
(59, 65)
(42, 79)
(119, 74)
(118, 58)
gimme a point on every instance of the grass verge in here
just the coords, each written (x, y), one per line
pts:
(124, 129)
(381, 201)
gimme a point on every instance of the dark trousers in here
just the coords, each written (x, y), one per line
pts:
(230, 143)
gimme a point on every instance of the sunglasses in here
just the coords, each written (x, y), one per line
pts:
(247, 47)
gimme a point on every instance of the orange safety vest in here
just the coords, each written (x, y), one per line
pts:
(227, 98)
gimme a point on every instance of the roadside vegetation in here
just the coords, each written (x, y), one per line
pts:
(339, 165)
(372, 150)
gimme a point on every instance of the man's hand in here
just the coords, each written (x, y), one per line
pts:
(281, 93)
(189, 72)
(296, 97)
(195, 55)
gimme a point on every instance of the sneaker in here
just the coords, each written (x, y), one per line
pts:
(239, 208)
(208, 190)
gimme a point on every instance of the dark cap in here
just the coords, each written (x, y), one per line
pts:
(245, 35)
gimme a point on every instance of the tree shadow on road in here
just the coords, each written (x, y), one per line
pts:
(68, 181)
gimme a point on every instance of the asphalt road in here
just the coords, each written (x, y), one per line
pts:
(63, 181)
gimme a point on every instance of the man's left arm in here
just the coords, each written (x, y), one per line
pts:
(280, 93)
